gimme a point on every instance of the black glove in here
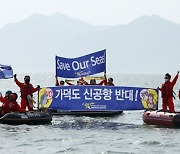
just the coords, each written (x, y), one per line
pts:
(38, 86)
(15, 75)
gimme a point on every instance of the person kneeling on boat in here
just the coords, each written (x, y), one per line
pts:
(167, 92)
(11, 105)
(26, 89)
(5, 98)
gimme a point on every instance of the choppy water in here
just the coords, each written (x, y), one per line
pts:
(124, 134)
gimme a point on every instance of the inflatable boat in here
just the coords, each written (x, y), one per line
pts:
(161, 118)
(29, 118)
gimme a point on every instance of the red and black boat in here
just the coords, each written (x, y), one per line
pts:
(161, 118)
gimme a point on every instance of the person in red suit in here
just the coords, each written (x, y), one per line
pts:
(93, 82)
(11, 105)
(79, 82)
(26, 90)
(5, 98)
(167, 92)
(59, 83)
(109, 81)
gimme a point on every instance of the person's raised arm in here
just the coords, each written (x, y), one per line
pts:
(16, 81)
(175, 78)
(57, 82)
(70, 84)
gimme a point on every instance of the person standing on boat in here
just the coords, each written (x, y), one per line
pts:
(78, 83)
(109, 81)
(167, 92)
(93, 82)
(26, 90)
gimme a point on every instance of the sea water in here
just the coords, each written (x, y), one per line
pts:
(126, 133)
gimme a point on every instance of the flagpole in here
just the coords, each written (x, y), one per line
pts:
(55, 65)
(38, 99)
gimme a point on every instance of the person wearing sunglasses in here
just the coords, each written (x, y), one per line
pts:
(167, 92)
(26, 88)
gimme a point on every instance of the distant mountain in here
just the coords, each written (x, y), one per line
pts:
(148, 44)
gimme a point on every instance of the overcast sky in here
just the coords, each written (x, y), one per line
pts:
(96, 12)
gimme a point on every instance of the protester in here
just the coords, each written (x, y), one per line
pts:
(167, 92)
(5, 98)
(79, 82)
(26, 89)
(108, 82)
(11, 105)
(93, 82)
(59, 83)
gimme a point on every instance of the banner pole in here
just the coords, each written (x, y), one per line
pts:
(55, 65)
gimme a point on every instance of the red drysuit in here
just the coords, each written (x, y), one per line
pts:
(4, 99)
(11, 106)
(167, 94)
(26, 89)
(106, 83)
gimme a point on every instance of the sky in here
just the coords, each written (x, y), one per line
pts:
(95, 12)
